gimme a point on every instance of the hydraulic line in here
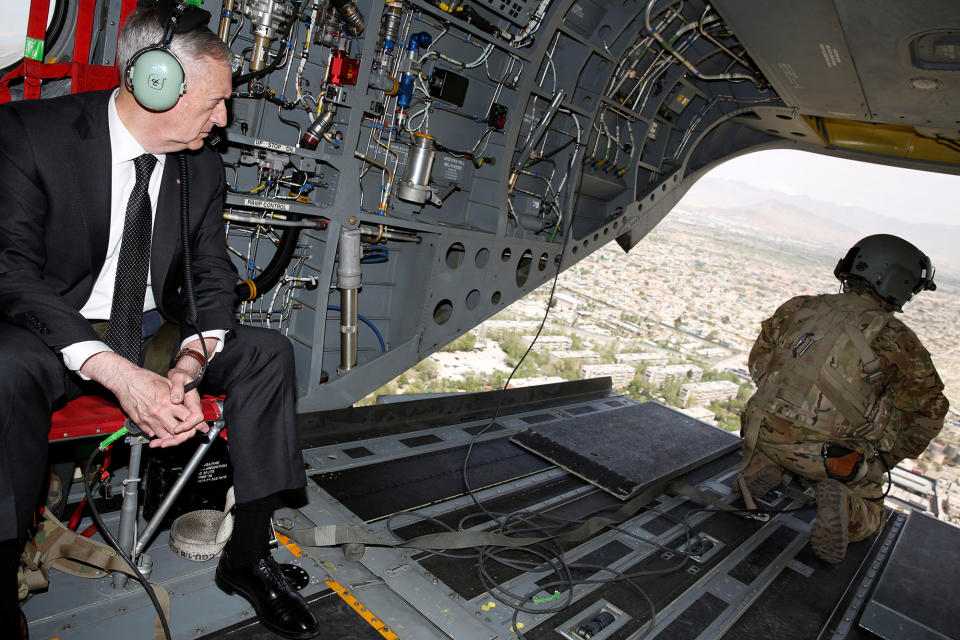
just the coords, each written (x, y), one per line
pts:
(275, 222)
(385, 195)
(366, 321)
(535, 136)
(689, 65)
(271, 274)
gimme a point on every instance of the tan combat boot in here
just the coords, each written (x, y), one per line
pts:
(829, 533)
(764, 480)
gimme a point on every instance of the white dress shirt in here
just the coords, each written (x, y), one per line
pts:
(124, 148)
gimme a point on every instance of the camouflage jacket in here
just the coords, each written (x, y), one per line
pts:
(911, 387)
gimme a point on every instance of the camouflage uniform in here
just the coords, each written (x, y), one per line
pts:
(911, 394)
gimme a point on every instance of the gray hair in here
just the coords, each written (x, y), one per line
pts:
(143, 29)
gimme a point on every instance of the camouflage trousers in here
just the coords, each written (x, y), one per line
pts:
(864, 498)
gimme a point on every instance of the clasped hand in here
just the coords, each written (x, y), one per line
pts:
(156, 404)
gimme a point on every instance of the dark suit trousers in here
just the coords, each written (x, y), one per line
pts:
(255, 370)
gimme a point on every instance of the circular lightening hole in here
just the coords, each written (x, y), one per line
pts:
(455, 255)
(442, 312)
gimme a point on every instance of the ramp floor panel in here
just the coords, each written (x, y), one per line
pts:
(916, 595)
(418, 480)
(461, 575)
(755, 579)
(806, 604)
(626, 450)
(332, 612)
(512, 501)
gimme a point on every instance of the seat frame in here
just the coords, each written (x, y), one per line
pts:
(89, 416)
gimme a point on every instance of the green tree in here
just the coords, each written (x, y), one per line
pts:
(466, 342)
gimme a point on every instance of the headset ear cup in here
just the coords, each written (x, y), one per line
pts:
(156, 78)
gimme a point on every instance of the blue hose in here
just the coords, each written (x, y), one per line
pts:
(383, 345)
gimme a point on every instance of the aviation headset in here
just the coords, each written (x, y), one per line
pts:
(154, 75)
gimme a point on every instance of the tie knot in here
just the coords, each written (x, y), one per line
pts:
(143, 166)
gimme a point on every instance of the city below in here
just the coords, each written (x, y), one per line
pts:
(674, 320)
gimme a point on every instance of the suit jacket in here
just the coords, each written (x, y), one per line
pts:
(55, 174)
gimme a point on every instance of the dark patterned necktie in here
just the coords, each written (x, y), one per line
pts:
(126, 312)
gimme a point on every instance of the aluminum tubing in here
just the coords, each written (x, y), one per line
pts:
(128, 509)
(348, 282)
(185, 476)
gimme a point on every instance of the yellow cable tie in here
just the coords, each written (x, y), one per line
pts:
(253, 289)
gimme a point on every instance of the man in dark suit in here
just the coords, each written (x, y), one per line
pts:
(69, 169)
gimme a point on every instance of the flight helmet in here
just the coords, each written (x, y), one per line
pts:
(892, 267)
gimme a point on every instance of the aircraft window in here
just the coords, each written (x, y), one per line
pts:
(14, 15)
(455, 255)
(473, 299)
(442, 312)
(482, 258)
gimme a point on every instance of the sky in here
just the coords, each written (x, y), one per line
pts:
(13, 26)
(903, 194)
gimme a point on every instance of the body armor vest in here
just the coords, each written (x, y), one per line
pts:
(823, 377)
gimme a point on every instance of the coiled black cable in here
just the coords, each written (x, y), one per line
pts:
(274, 270)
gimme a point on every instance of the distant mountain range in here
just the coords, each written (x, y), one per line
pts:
(809, 220)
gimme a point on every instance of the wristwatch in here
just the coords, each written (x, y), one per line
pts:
(193, 353)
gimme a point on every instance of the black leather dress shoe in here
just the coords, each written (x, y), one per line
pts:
(280, 608)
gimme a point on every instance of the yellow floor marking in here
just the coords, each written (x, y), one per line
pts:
(289, 544)
(347, 597)
(365, 613)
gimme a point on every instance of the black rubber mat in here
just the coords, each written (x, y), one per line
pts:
(520, 499)
(924, 564)
(626, 450)
(461, 575)
(389, 487)
(799, 607)
(667, 579)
